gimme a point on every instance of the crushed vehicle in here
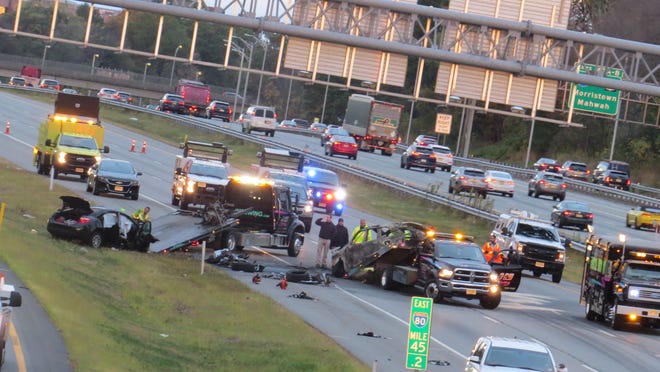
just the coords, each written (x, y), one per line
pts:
(200, 173)
(442, 265)
(71, 140)
(621, 281)
(99, 226)
(9, 299)
(536, 243)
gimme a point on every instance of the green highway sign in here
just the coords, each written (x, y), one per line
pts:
(596, 99)
(419, 333)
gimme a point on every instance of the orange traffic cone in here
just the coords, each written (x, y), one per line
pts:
(144, 147)
(283, 284)
(7, 128)
(133, 146)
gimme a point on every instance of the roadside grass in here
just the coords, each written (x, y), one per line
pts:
(136, 312)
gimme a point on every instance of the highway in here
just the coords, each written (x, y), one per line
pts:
(540, 310)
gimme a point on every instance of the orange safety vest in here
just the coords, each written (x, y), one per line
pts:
(492, 252)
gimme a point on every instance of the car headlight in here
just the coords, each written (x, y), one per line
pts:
(190, 187)
(633, 293)
(493, 277)
(340, 194)
(135, 183)
(61, 157)
(561, 257)
(309, 207)
(97, 158)
(445, 273)
(520, 247)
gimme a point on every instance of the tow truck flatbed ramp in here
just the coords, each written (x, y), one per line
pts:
(177, 230)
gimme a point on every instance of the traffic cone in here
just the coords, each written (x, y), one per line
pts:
(7, 128)
(283, 284)
(144, 147)
(133, 146)
(2, 280)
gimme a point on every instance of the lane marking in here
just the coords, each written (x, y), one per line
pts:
(589, 368)
(404, 322)
(607, 333)
(492, 319)
(18, 350)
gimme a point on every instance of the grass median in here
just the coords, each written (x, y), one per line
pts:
(153, 312)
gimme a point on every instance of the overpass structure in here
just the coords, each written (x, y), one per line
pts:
(522, 48)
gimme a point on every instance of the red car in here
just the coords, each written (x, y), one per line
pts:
(342, 145)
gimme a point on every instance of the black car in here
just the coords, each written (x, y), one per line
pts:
(329, 132)
(173, 103)
(98, 226)
(219, 109)
(417, 156)
(114, 176)
(613, 178)
(547, 165)
(572, 213)
(327, 193)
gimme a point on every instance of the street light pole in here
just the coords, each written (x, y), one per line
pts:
(263, 66)
(173, 63)
(43, 59)
(144, 75)
(529, 142)
(238, 85)
(250, 47)
(325, 98)
(288, 98)
(93, 63)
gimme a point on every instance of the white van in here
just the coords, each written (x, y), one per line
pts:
(260, 119)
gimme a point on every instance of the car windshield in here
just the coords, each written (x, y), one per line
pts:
(546, 161)
(578, 167)
(640, 271)
(618, 174)
(208, 170)
(650, 209)
(445, 249)
(348, 139)
(553, 178)
(441, 150)
(497, 174)
(423, 150)
(296, 189)
(474, 173)
(287, 177)
(537, 232)
(328, 178)
(80, 142)
(576, 206)
(517, 358)
(338, 131)
(116, 167)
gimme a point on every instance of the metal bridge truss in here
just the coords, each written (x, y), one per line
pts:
(519, 48)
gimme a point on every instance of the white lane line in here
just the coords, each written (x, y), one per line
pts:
(271, 255)
(589, 368)
(404, 322)
(607, 333)
(492, 319)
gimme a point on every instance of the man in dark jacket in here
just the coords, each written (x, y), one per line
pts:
(340, 238)
(326, 233)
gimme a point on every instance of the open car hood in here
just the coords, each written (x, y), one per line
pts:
(74, 202)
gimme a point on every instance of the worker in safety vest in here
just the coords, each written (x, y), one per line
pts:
(142, 214)
(361, 233)
(492, 251)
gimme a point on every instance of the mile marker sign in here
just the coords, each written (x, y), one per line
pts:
(419, 333)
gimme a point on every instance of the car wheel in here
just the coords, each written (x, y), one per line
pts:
(426, 170)
(386, 281)
(561, 198)
(89, 187)
(297, 276)
(175, 200)
(432, 170)
(183, 202)
(407, 165)
(536, 194)
(556, 276)
(450, 189)
(231, 242)
(491, 302)
(296, 243)
(208, 115)
(135, 195)
(432, 291)
(330, 153)
(402, 165)
(338, 269)
(95, 190)
(589, 314)
(96, 240)
(529, 192)
(614, 320)
(272, 133)
(354, 157)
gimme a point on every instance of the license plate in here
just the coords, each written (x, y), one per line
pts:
(423, 161)
(654, 312)
(471, 291)
(201, 184)
(267, 121)
(618, 180)
(579, 215)
(80, 170)
(539, 264)
(119, 188)
(322, 205)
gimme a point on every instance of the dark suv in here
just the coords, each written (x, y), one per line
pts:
(616, 165)
(614, 178)
(418, 156)
(219, 109)
(327, 193)
(172, 102)
(468, 179)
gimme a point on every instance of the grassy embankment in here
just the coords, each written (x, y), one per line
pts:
(151, 312)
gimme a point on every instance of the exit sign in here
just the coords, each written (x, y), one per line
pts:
(597, 99)
(419, 333)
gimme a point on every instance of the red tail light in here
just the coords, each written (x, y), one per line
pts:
(432, 156)
(275, 116)
(414, 153)
(608, 179)
(450, 155)
(588, 171)
(542, 182)
(590, 215)
(329, 196)
(567, 213)
(563, 185)
(252, 114)
(230, 110)
(461, 177)
(628, 182)
(84, 219)
(354, 145)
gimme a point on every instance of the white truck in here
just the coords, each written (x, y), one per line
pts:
(374, 124)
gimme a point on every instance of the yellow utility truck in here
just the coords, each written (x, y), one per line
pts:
(71, 139)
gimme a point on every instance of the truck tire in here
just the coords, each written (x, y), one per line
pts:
(589, 314)
(183, 203)
(89, 187)
(432, 291)
(491, 302)
(94, 189)
(556, 276)
(135, 195)
(175, 200)
(296, 243)
(615, 321)
(231, 242)
(96, 240)
(386, 281)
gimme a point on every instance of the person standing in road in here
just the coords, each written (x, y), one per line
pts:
(361, 233)
(326, 233)
(340, 238)
(142, 214)
(492, 251)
